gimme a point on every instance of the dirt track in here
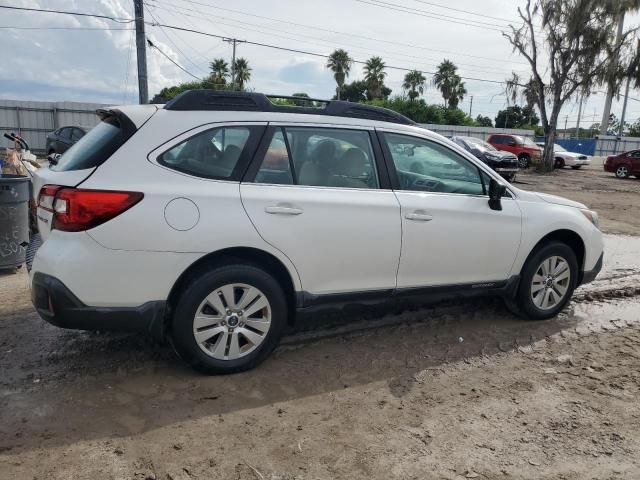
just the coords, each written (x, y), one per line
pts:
(458, 390)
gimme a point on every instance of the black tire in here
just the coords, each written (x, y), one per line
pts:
(622, 171)
(198, 289)
(576, 167)
(559, 163)
(524, 160)
(523, 299)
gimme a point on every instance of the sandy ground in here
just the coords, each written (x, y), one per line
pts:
(452, 391)
(616, 200)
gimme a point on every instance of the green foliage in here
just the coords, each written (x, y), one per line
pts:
(421, 112)
(414, 84)
(357, 91)
(374, 76)
(517, 117)
(450, 84)
(484, 121)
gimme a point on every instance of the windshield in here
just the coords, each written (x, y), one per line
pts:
(479, 144)
(525, 141)
(558, 148)
(93, 148)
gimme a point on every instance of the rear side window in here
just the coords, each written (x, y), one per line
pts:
(94, 148)
(321, 157)
(213, 153)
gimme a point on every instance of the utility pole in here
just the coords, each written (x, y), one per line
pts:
(566, 119)
(579, 115)
(233, 42)
(604, 124)
(624, 107)
(141, 49)
(471, 106)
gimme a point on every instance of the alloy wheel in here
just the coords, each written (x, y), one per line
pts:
(550, 283)
(232, 321)
(622, 171)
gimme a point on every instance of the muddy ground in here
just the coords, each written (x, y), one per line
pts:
(452, 391)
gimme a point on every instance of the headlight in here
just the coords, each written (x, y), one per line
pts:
(592, 217)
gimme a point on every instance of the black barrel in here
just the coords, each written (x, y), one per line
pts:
(14, 220)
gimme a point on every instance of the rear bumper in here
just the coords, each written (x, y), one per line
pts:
(56, 304)
(590, 275)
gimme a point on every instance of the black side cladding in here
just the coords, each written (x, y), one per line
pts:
(214, 100)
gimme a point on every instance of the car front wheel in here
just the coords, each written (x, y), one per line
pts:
(229, 319)
(548, 279)
(559, 163)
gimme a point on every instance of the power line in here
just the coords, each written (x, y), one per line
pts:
(336, 32)
(218, 21)
(260, 44)
(435, 16)
(463, 11)
(150, 43)
(65, 28)
(64, 12)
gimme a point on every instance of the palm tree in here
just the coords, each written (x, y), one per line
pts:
(444, 79)
(374, 76)
(458, 91)
(219, 71)
(339, 62)
(414, 83)
(242, 72)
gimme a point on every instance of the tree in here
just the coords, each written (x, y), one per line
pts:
(374, 76)
(339, 62)
(514, 90)
(634, 129)
(219, 71)
(414, 84)
(355, 91)
(242, 72)
(516, 117)
(458, 91)
(572, 55)
(445, 78)
(484, 121)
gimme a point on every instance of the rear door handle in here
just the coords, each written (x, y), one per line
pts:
(283, 210)
(418, 217)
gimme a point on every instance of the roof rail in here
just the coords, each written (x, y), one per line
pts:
(220, 100)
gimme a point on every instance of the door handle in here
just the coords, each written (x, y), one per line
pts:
(283, 210)
(418, 217)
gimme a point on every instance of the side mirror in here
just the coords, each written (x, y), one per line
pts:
(53, 158)
(496, 192)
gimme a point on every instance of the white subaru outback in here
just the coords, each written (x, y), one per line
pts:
(213, 220)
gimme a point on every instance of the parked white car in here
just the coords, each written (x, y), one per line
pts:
(565, 158)
(217, 218)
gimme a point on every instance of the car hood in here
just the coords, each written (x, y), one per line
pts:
(559, 200)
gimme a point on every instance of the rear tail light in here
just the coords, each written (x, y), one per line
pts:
(76, 210)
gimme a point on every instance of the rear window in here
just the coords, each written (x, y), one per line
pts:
(94, 148)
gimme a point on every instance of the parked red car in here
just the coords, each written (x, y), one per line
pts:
(525, 149)
(624, 164)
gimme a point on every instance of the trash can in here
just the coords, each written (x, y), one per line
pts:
(14, 220)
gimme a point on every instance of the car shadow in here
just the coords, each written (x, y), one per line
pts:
(60, 387)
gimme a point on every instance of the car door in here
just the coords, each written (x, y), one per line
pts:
(450, 236)
(316, 194)
(635, 162)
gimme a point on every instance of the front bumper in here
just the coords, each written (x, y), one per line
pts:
(590, 275)
(56, 304)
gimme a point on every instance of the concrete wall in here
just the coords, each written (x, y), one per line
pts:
(33, 120)
(478, 132)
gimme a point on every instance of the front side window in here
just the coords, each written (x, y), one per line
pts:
(210, 154)
(425, 166)
(77, 134)
(65, 133)
(321, 157)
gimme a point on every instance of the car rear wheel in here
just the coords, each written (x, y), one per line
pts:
(524, 160)
(559, 163)
(229, 319)
(622, 171)
(548, 280)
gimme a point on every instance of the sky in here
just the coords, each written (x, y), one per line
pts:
(69, 58)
